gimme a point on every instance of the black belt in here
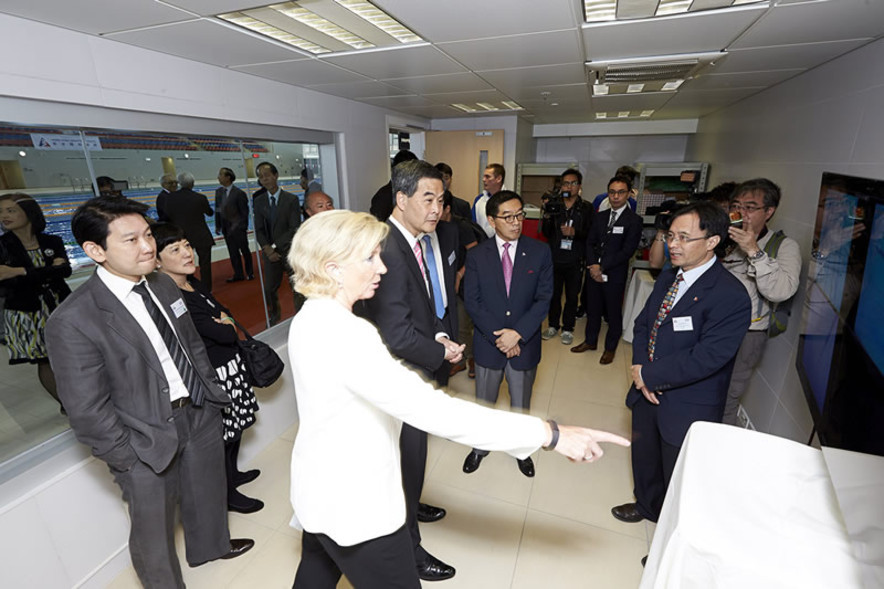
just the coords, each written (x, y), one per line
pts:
(182, 402)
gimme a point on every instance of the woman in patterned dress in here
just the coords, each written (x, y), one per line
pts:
(215, 325)
(33, 266)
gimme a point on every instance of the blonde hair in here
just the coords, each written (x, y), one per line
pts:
(334, 236)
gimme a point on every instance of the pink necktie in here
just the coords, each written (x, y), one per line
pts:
(507, 267)
(419, 254)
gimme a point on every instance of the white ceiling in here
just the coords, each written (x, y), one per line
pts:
(529, 51)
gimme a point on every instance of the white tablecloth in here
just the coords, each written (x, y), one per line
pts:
(640, 286)
(746, 510)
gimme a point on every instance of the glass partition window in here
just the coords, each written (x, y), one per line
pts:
(62, 168)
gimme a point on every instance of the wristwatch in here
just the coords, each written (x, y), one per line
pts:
(756, 256)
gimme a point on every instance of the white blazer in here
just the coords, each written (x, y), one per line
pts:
(352, 398)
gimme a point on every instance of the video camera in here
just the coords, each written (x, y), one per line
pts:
(552, 204)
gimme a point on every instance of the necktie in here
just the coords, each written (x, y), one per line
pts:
(665, 308)
(434, 277)
(272, 209)
(612, 220)
(420, 258)
(185, 369)
(507, 267)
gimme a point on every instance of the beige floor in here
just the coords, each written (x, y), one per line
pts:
(502, 530)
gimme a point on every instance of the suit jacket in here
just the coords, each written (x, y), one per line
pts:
(692, 368)
(402, 308)
(613, 250)
(523, 310)
(188, 210)
(231, 210)
(162, 198)
(285, 224)
(23, 293)
(110, 379)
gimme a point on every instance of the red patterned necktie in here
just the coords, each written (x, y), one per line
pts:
(507, 267)
(665, 308)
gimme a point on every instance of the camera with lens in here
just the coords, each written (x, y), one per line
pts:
(663, 216)
(553, 205)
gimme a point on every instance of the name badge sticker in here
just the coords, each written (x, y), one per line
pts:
(617, 230)
(451, 259)
(682, 323)
(179, 308)
(566, 244)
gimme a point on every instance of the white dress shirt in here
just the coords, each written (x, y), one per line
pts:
(352, 398)
(122, 289)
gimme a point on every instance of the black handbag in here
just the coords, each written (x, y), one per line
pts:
(263, 364)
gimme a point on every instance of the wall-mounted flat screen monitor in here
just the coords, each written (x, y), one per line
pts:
(841, 343)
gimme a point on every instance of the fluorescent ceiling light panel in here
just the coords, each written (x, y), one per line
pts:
(465, 108)
(672, 7)
(363, 26)
(600, 10)
(669, 86)
(634, 88)
(487, 106)
(647, 113)
(601, 115)
(623, 114)
(599, 89)
(625, 10)
(512, 105)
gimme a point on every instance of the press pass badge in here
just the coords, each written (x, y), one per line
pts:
(617, 229)
(682, 323)
(566, 243)
(179, 308)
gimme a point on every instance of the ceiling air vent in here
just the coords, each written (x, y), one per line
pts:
(649, 69)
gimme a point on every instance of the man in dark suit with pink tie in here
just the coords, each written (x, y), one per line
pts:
(508, 285)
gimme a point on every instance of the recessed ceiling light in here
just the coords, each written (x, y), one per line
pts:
(672, 7)
(634, 88)
(599, 89)
(608, 10)
(380, 19)
(673, 85)
(600, 10)
(465, 108)
(511, 105)
(314, 21)
(647, 113)
(487, 106)
(601, 115)
(22, 153)
(623, 114)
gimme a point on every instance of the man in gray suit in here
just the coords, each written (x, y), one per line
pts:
(232, 221)
(277, 217)
(139, 390)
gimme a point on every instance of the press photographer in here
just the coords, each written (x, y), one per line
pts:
(566, 222)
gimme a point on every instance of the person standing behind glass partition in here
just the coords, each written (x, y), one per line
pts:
(32, 273)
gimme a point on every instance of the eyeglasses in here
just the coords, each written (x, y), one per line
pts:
(682, 238)
(571, 183)
(617, 192)
(512, 218)
(738, 206)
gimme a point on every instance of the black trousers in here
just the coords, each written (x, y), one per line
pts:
(413, 457)
(239, 252)
(381, 563)
(195, 480)
(607, 298)
(653, 460)
(204, 255)
(566, 277)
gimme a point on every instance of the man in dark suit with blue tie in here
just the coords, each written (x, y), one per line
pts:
(140, 391)
(610, 245)
(415, 311)
(232, 221)
(685, 342)
(508, 285)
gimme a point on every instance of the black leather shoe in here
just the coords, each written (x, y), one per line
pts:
(251, 277)
(434, 569)
(472, 462)
(236, 279)
(241, 478)
(644, 560)
(238, 547)
(628, 512)
(580, 348)
(429, 513)
(527, 467)
(239, 503)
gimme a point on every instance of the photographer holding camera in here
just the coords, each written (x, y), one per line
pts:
(566, 222)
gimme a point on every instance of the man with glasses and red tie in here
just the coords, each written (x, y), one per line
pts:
(610, 245)
(508, 285)
(683, 350)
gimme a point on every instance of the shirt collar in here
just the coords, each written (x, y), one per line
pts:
(411, 239)
(120, 287)
(692, 275)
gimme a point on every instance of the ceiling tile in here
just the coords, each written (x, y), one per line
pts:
(512, 80)
(468, 97)
(515, 51)
(304, 72)
(462, 82)
(356, 90)
(687, 104)
(560, 94)
(207, 41)
(801, 23)
(740, 80)
(401, 62)
(457, 20)
(213, 7)
(802, 56)
(95, 16)
(398, 101)
(648, 101)
(670, 35)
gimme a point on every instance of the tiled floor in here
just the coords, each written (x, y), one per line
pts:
(502, 530)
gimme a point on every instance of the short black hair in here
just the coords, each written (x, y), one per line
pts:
(572, 172)
(403, 156)
(273, 169)
(723, 193)
(407, 175)
(770, 192)
(624, 179)
(229, 173)
(165, 234)
(492, 207)
(713, 220)
(31, 209)
(444, 168)
(105, 181)
(92, 218)
(447, 199)
(627, 171)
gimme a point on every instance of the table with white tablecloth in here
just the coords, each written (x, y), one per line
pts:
(640, 286)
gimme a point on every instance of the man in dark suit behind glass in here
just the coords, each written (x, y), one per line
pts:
(416, 319)
(188, 209)
(232, 221)
(139, 390)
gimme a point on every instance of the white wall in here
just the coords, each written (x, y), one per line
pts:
(828, 119)
(599, 157)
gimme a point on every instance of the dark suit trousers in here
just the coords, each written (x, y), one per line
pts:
(273, 273)
(607, 298)
(566, 277)
(413, 457)
(196, 480)
(653, 460)
(238, 250)
(204, 254)
(380, 563)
